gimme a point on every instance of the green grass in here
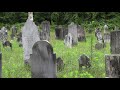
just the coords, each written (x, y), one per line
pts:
(13, 63)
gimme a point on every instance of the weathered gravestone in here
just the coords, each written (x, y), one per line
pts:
(115, 42)
(60, 64)
(30, 35)
(72, 28)
(60, 32)
(68, 41)
(43, 60)
(84, 61)
(99, 46)
(99, 37)
(113, 61)
(3, 35)
(105, 28)
(81, 33)
(30, 16)
(45, 33)
(0, 65)
(112, 65)
(107, 37)
(14, 30)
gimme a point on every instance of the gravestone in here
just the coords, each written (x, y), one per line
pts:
(112, 65)
(84, 60)
(99, 46)
(3, 35)
(113, 61)
(30, 16)
(45, 33)
(0, 65)
(14, 30)
(60, 32)
(107, 37)
(72, 28)
(68, 41)
(30, 35)
(99, 37)
(60, 64)
(115, 42)
(81, 33)
(43, 60)
(105, 28)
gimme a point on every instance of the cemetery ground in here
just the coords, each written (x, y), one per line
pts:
(13, 64)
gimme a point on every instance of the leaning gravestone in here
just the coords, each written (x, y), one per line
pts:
(68, 41)
(43, 60)
(45, 30)
(30, 35)
(72, 28)
(0, 65)
(81, 33)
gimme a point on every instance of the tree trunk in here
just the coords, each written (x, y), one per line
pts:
(112, 64)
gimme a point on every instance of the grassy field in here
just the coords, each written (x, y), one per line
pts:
(13, 63)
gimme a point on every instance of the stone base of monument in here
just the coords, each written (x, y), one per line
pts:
(82, 38)
(99, 46)
(112, 64)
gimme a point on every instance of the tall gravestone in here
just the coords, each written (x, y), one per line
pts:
(81, 33)
(112, 62)
(72, 28)
(43, 60)
(106, 34)
(14, 30)
(115, 42)
(105, 28)
(30, 35)
(30, 15)
(45, 33)
(0, 65)
(3, 34)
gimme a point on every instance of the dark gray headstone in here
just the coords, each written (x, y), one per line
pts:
(115, 42)
(84, 60)
(43, 60)
(0, 65)
(14, 30)
(99, 46)
(45, 30)
(30, 35)
(81, 33)
(60, 64)
(72, 28)
(60, 32)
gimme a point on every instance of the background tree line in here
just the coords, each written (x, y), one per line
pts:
(62, 18)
